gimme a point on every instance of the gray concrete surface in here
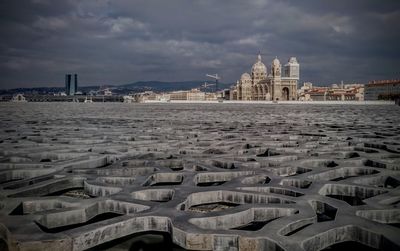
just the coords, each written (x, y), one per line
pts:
(208, 176)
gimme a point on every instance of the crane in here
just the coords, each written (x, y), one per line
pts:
(216, 77)
(206, 85)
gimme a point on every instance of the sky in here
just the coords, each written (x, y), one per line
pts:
(124, 41)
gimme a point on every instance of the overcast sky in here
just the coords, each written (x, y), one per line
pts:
(123, 41)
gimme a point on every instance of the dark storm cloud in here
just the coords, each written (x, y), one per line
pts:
(122, 41)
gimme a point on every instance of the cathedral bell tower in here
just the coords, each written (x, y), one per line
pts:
(276, 70)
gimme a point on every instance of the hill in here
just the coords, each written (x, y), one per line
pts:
(140, 86)
(170, 86)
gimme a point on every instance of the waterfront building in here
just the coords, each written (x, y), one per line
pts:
(178, 95)
(107, 92)
(348, 92)
(259, 85)
(18, 98)
(382, 90)
(196, 95)
(192, 95)
(211, 96)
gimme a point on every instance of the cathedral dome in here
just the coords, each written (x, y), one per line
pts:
(245, 76)
(259, 69)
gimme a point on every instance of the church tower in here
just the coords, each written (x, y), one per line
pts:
(292, 69)
(276, 79)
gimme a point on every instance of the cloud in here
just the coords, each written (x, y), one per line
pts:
(124, 24)
(122, 41)
(50, 23)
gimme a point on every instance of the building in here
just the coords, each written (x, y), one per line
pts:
(196, 95)
(273, 86)
(129, 99)
(211, 96)
(348, 92)
(18, 98)
(192, 95)
(107, 92)
(233, 94)
(226, 94)
(382, 90)
(71, 88)
(101, 92)
(301, 93)
(178, 95)
(315, 94)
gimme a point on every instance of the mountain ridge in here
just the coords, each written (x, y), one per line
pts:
(138, 86)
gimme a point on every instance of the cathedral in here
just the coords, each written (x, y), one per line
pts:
(273, 86)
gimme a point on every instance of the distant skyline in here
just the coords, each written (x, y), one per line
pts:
(124, 41)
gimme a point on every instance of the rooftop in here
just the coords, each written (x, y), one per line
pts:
(383, 82)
